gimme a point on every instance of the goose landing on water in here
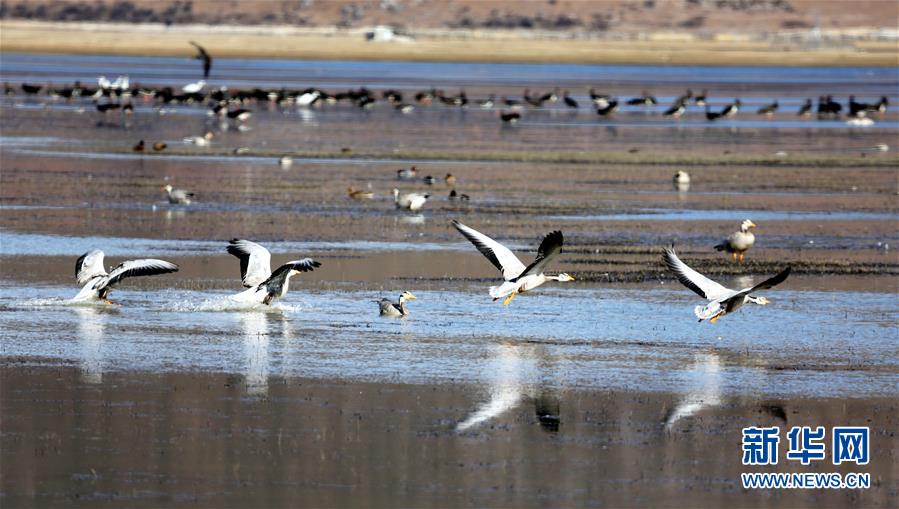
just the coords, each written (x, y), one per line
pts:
(722, 300)
(97, 282)
(256, 274)
(395, 309)
(518, 278)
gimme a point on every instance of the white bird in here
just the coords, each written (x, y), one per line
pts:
(308, 98)
(681, 177)
(177, 196)
(738, 243)
(722, 300)
(409, 201)
(285, 162)
(97, 282)
(193, 88)
(200, 141)
(395, 309)
(518, 278)
(264, 285)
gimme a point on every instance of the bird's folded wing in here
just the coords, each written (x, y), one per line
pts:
(135, 268)
(693, 280)
(255, 261)
(550, 247)
(498, 254)
(89, 266)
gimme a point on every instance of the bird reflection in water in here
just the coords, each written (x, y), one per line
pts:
(513, 380)
(255, 327)
(91, 333)
(704, 388)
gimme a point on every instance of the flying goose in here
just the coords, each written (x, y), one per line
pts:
(737, 243)
(721, 300)
(395, 309)
(264, 286)
(518, 278)
(409, 201)
(177, 196)
(97, 282)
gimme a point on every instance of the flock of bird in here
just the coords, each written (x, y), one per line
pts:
(264, 286)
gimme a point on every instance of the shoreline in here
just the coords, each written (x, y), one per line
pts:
(501, 47)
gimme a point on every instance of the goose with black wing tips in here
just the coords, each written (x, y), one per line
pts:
(97, 282)
(264, 285)
(722, 300)
(518, 278)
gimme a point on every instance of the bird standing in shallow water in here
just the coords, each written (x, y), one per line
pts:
(738, 243)
(177, 196)
(722, 300)
(395, 309)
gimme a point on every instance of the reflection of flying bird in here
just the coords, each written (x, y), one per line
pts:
(722, 300)
(706, 393)
(518, 278)
(97, 282)
(204, 56)
(264, 285)
(398, 308)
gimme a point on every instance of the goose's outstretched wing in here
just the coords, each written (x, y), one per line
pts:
(89, 266)
(769, 283)
(135, 268)
(274, 283)
(498, 254)
(549, 248)
(255, 261)
(703, 286)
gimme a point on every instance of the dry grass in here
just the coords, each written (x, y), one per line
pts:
(155, 40)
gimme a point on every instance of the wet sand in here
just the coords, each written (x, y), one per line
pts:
(203, 440)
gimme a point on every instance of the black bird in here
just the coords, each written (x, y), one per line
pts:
(571, 103)
(676, 110)
(456, 196)
(205, 57)
(509, 117)
(31, 89)
(711, 115)
(701, 99)
(104, 108)
(239, 114)
(806, 108)
(731, 109)
(139, 147)
(644, 100)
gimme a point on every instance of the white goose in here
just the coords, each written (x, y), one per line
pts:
(722, 300)
(409, 201)
(97, 282)
(518, 278)
(264, 285)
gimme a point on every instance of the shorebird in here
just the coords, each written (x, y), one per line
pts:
(738, 243)
(97, 282)
(177, 196)
(722, 300)
(264, 286)
(395, 309)
(517, 278)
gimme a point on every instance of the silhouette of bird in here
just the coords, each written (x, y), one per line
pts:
(139, 147)
(205, 57)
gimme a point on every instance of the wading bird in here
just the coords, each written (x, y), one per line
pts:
(722, 300)
(737, 243)
(97, 282)
(518, 278)
(256, 274)
(395, 309)
(409, 201)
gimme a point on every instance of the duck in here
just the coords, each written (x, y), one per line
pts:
(450, 179)
(453, 195)
(159, 146)
(285, 162)
(644, 100)
(738, 243)
(139, 147)
(610, 108)
(681, 178)
(396, 309)
(200, 141)
(510, 117)
(407, 174)
(517, 278)
(722, 300)
(731, 109)
(769, 109)
(805, 109)
(97, 283)
(676, 110)
(429, 180)
(177, 196)
(358, 194)
(409, 201)
(567, 99)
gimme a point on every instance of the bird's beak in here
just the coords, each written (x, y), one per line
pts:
(751, 224)
(409, 296)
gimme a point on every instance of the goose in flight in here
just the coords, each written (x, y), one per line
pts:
(264, 286)
(97, 282)
(722, 300)
(395, 309)
(737, 243)
(205, 57)
(518, 278)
